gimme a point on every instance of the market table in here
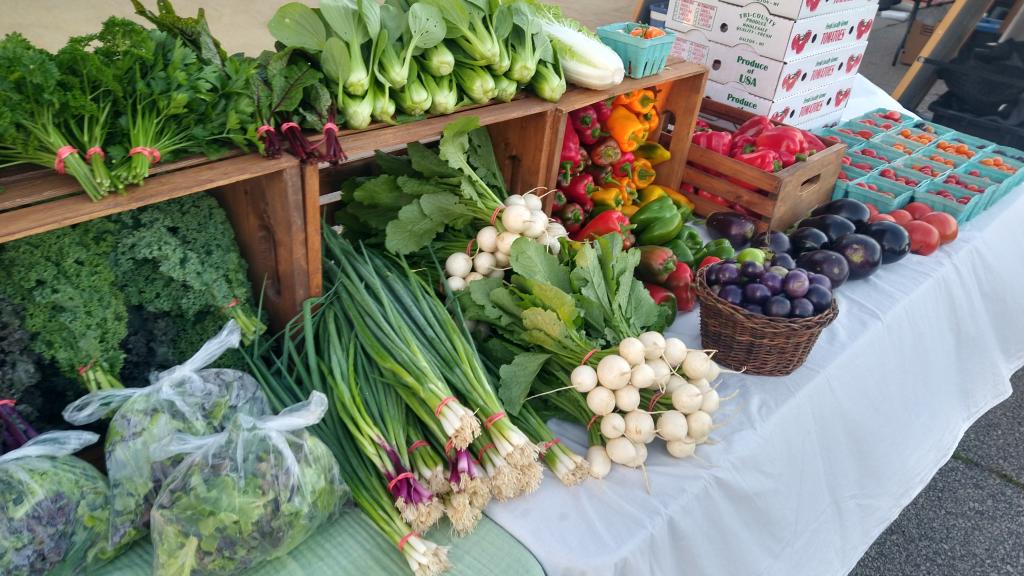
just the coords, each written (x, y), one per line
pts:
(810, 468)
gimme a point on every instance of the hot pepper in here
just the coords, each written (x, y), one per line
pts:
(606, 152)
(720, 248)
(571, 150)
(661, 296)
(602, 175)
(626, 129)
(637, 101)
(753, 127)
(643, 173)
(654, 152)
(586, 124)
(624, 167)
(677, 198)
(680, 282)
(579, 190)
(607, 222)
(785, 140)
(681, 250)
(653, 211)
(603, 109)
(661, 231)
(609, 196)
(656, 263)
(572, 217)
(713, 140)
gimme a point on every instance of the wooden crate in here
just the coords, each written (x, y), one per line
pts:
(781, 199)
(263, 198)
(681, 89)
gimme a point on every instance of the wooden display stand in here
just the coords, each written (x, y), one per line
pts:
(263, 198)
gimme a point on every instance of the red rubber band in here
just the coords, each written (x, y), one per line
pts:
(232, 304)
(654, 400)
(264, 129)
(401, 543)
(151, 153)
(437, 411)
(399, 478)
(62, 153)
(288, 125)
(95, 150)
(448, 446)
(480, 454)
(494, 215)
(547, 445)
(492, 419)
(417, 444)
(83, 369)
(7, 402)
(331, 126)
(591, 423)
(587, 357)
(469, 247)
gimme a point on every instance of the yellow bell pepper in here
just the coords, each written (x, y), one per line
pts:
(608, 196)
(650, 194)
(677, 197)
(654, 152)
(629, 210)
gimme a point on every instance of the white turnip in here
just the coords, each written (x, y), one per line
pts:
(601, 401)
(698, 425)
(675, 352)
(639, 426)
(612, 425)
(696, 364)
(674, 382)
(505, 240)
(473, 276)
(627, 398)
(515, 200)
(632, 349)
(641, 455)
(714, 371)
(613, 372)
(501, 259)
(681, 448)
(701, 384)
(458, 265)
(487, 239)
(642, 376)
(662, 371)
(456, 284)
(600, 463)
(483, 263)
(621, 450)
(672, 425)
(687, 399)
(533, 202)
(654, 345)
(537, 224)
(496, 273)
(515, 218)
(711, 401)
(583, 379)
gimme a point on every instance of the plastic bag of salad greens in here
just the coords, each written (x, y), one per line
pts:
(186, 398)
(246, 495)
(53, 507)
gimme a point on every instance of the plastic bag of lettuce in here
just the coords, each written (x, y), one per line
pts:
(186, 398)
(53, 507)
(246, 495)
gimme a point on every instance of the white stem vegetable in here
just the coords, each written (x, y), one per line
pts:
(687, 399)
(711, 401)
(698, 424)
(642, 376)
(505, 240)
(627, 398)
(654, 345)
(613, 372)
(672, 425)
(515, 218)
(675, 352)
(681, 448)
(601, 401)
(583, 379)
(458, 265)
(696, 365)
(613, 425)
(632, 349)
(600, 463)
(483, 263)
(487, 239)
(639, 426)
(621, 450)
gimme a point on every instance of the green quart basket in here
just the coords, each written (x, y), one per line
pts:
(641, 57)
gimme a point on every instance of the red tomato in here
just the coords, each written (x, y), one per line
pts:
(924, 238)
(944, 223)
(918, 210)
(901, 217)
(881, 218)
(872, 210)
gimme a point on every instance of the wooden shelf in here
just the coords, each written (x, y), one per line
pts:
(676, 69)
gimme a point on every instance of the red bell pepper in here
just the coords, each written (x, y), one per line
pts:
(624, 167)
(661, 296)
(814, 144)
(579, 190)
(563, 178)
(558, 200)
(713, 140)
(782, 139)
(742, 145)
(586, 124)
(713, 197)
(572, 217)
(767, 160)
(701, 126)
(707, 261)
(571, 150)
(607, 222)
(606, 152)
(680, 282)
(656, 263)
(753, 127)
(603, 109)
(602, 174)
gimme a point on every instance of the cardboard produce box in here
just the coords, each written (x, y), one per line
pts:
(769, 35)
(796, 109)
(763, 76)
(797, 9)
(825, 121)
(916, 39)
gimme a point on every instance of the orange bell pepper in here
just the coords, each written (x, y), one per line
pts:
(626, 189)
(651, 120)
(627, 130)
(638, 101)
(643, 173)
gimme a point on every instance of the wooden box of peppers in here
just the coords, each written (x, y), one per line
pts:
(606, 185)
(749, 164)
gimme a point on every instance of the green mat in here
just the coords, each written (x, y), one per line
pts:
(351, 546)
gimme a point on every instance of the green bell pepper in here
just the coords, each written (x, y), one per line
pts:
(652, 212)
(681, 250)
(691, 237)
(661, 231)
(720, 248)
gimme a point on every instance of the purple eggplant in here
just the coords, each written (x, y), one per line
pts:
(834, 227)
(819, 279)
(848, 208)
(863, 255)
(796, 284)
(892, 238)
(774, 241)
(784, 260)
(773, 282)
(801, 308)
(806, 239)
(778, 306)
(756, 294)
(827, 262)
(731, 293)
(738, 229)
(819, 297)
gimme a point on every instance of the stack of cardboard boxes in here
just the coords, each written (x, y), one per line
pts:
(791, 60)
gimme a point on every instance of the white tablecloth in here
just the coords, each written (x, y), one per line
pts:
(811, 468)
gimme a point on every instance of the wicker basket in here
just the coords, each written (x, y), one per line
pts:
(757, 344)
